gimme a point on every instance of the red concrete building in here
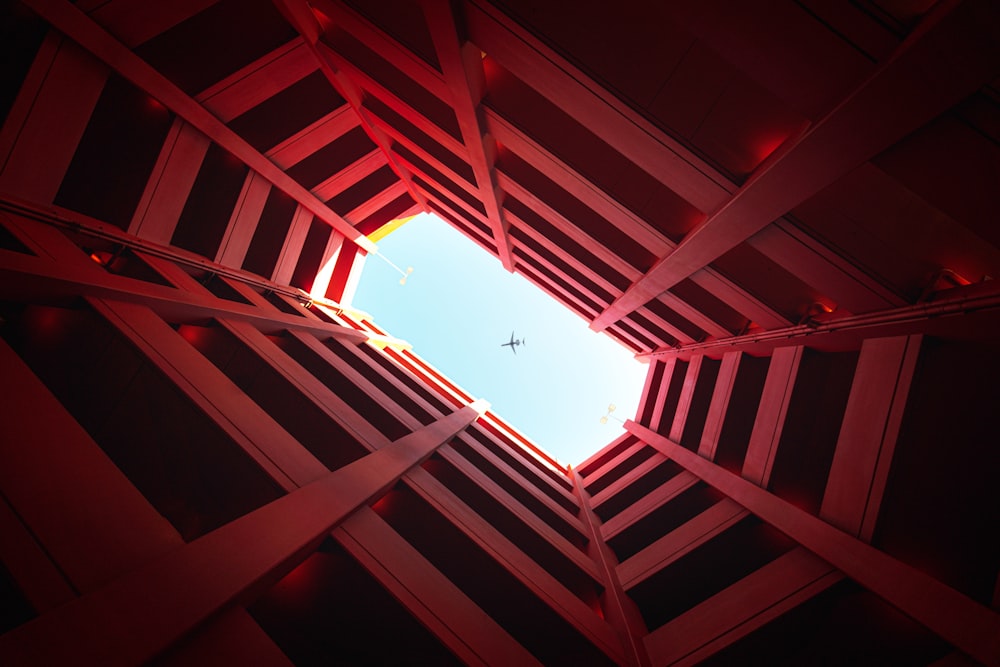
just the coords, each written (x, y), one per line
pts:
(787, 208)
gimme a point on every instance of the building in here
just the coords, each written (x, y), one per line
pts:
(787, 208)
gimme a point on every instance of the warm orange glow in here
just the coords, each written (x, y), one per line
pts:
(816, 309)
(102, 258)
(958, 280)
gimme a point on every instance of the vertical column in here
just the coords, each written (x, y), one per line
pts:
(292, 247)
(243, 222)
(868, 434)
(334, 246)
(684, 402)
(621, 611)
(649, 387)
(771, 413)
(660, 392)
(720, 402)
(170, 183)
(346, 274)
(48, 119)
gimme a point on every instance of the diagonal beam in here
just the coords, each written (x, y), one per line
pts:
(258, 81)
(351, 175)
(942, 317)
(76, 25)
(372, 205)
(301, 17)
(463, 71)
(537, 203)
(782, 241)
(622, 613)
(135, 617)
(362, 29)
(134, 27)
(431, 597)
(520, 565)
(969, 625)
(516, 141)
(949, 56)
(615, 122)
(311, 138)
(401, 143)
(374, 87)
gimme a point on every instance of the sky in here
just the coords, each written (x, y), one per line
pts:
(459, 305)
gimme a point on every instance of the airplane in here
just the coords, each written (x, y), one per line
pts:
(514, 342)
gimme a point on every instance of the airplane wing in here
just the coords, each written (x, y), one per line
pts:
(511, 343)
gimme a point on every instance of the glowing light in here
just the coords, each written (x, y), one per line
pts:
(155, 105)
(765, 148)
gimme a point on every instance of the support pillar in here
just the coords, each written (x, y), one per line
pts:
(620, 610)
(243, 222)
(721, 395)
(142, 613)
(774, 401)
(967, 624)
(331, 254)
(738, 610)
(169, 185)
(687, 394)
(868, 434)
(48, 119)
(346, 274)
(660, 392)
(442, 607)
(292, 246)
(86, 516)
(274, 450)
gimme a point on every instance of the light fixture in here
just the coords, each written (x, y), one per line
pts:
(405, 274)
(611, 408)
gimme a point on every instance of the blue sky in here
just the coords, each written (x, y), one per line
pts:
(459, 305)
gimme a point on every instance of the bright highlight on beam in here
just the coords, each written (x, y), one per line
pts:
(480, 405)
